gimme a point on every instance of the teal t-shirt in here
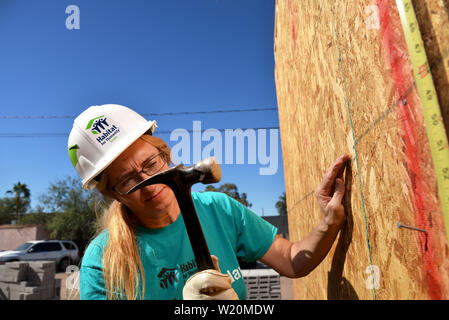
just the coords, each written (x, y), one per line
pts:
(231, 230)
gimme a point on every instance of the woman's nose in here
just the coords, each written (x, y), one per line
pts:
(150, 187)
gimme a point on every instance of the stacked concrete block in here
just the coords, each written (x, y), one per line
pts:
(262, 284)
(13, 272)
(2, 295)
(57, 291)
(42, 274)
(33, 280)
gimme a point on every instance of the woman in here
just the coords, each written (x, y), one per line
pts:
(143, 251)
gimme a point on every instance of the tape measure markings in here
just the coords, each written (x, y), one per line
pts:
(433, 120)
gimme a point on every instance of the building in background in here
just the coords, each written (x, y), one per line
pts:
(280, 222)
(12, 236)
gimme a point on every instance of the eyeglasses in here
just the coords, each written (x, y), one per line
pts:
(151, 167)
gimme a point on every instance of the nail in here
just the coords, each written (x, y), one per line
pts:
(400, 225)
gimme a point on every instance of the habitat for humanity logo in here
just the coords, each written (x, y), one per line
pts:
(168, 277)
(100, 126)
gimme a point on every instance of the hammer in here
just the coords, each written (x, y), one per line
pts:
(180, 179)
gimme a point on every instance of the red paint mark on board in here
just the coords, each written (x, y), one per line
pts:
(397, 55)
(292, 18)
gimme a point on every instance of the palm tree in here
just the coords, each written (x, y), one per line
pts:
(281, 205)
(19, 190)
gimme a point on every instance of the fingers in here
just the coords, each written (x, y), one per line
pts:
(337, 168)
(339, 192)
(333, 172)
(342, 169)
(209, 285)
(215, 262)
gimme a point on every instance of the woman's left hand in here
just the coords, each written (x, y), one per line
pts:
(330, 193)
(209, 284)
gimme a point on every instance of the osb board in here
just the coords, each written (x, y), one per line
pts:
(433, 20)
(332, 70)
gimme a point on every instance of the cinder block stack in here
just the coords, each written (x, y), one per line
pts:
(262, 284)
(33, 280)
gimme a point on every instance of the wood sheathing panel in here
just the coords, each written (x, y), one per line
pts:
(333, 68)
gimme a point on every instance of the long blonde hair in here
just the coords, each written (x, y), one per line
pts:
(121, 261)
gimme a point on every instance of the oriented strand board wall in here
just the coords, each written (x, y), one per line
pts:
(342, 76)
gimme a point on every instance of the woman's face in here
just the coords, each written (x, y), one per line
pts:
(153, 199)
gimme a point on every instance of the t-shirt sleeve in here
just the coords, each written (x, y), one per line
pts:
(254, 234)
(92, 286)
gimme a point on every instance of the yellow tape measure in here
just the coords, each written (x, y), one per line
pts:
(436, 133)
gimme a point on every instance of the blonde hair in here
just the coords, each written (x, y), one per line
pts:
(121, 260)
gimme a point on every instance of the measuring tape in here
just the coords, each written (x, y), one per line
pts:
(436, 133)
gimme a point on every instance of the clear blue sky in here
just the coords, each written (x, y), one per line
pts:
(152, 56)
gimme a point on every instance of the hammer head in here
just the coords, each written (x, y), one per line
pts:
(205, 171)
(211, 170)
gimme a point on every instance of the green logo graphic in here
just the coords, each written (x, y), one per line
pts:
(73, 154)
(97, 124)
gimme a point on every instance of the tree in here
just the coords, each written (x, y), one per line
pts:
(281, 205)
(231, 190)
(7, 209)
(22, 198)
(38, 216)
(76, 210)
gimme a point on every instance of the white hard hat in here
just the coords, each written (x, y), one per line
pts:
(100, 134)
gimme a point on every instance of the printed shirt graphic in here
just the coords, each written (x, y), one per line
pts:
(230, 229)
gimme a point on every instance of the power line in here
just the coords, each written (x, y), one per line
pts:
(65, 135)
(41, 117)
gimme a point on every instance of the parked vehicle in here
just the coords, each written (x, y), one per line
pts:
(63, 252)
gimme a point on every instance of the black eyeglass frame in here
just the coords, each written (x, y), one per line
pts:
(160, 154)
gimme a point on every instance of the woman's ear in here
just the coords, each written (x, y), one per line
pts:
(103, 185)
(109, 194)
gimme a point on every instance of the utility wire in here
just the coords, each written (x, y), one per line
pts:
(27, 117)
(59, 134)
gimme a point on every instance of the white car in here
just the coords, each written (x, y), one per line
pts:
(63, 252)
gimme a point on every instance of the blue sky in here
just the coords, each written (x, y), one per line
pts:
(152, 56)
